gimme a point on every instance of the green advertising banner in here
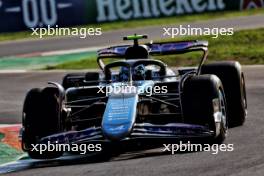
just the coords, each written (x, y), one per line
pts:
(122, 10)
(17, 15)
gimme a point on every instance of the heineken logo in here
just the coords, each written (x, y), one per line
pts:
(112, 10)
(249, 4)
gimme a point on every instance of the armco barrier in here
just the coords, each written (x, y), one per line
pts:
(17, 15)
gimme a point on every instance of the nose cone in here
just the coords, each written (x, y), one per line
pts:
(116, 132)
(119, 116)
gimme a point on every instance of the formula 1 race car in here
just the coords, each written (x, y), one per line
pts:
(136, 100)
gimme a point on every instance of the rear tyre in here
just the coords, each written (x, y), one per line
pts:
(233, 81)
(40, 119)
(201, 95)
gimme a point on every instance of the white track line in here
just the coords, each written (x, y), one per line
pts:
(12, 71)
(73, 51)
(7, 125)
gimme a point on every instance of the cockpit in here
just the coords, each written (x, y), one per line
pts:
(134, 70)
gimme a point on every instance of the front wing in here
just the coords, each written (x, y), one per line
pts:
(175, 131)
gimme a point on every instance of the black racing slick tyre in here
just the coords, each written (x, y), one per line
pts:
(203, 97)
(233, 81)
(40, 119)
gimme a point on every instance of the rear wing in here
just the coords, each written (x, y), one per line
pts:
(156, 49)
(163, 48)
(168, 48)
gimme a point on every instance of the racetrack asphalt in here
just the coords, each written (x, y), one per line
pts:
(246, 159)
(34, 47)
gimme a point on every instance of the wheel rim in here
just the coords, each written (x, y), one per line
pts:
(222, 109)
(244, 97)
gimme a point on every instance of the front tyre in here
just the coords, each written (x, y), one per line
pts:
(40, 119)
(233, 81)
(203, 103)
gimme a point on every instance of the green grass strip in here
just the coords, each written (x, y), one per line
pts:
(40, 62)
(7, 153)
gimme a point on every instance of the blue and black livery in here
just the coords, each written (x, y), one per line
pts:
(195, 103)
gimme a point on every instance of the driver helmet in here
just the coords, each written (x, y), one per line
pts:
(140, 72)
